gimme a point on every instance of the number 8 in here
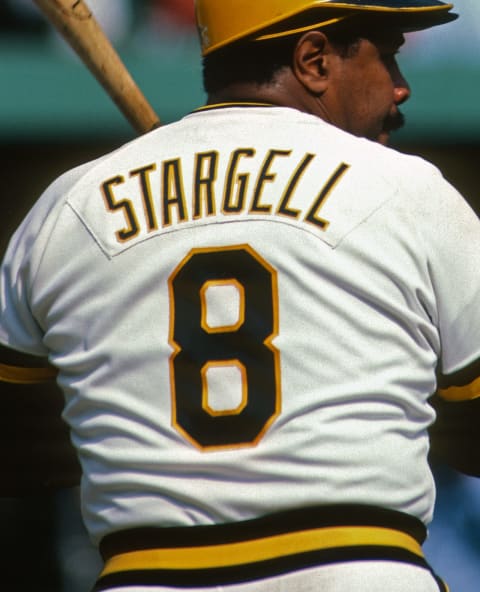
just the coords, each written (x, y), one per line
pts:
(246, 345)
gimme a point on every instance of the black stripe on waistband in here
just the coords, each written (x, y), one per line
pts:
(270, 525)
(276, 544)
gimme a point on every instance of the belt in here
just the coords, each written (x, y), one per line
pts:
(224, 554)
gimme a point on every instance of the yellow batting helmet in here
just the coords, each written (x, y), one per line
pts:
(221, 22)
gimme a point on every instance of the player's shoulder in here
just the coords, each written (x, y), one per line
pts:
(50, 203)
(420, 192)
(113, 162)
(329, 141)
(409, 185)
(387, 162)
(411, 177)
(56, 193)
(413, 168)
(79, 179)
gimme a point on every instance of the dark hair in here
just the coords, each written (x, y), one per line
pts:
(255, 61)
(258, 62)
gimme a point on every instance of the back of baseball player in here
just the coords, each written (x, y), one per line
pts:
(247, 310)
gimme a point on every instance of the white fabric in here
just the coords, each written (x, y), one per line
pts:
(366, 299)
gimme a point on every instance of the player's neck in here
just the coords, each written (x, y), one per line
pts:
(274, 93)
(284, 91)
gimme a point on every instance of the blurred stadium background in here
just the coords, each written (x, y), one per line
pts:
(54, 115)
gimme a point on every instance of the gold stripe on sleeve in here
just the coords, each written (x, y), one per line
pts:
(19, 375)
(467, 392)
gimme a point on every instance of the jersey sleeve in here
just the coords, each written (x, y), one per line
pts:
(451, 232)
(19, 329)
(36, 453)
(23, 357)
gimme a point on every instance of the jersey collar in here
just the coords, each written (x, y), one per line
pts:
(241, 104)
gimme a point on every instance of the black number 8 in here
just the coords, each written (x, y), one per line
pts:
(245, 345)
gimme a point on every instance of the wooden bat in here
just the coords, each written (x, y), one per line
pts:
(76, 23)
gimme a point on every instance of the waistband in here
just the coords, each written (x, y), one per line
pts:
(222, 554)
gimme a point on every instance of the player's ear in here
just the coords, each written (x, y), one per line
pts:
(311, 61)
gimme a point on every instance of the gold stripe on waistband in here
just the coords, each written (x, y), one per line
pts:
(252, 551)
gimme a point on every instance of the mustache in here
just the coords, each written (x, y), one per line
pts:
(394, 122)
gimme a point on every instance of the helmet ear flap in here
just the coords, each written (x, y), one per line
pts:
(222, 22)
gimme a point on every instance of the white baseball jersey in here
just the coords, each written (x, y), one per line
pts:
(246, 309)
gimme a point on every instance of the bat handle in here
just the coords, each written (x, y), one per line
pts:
(76, 23)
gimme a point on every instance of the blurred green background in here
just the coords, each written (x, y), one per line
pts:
(54, 115)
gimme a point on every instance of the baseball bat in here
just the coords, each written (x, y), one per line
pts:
(76, 23)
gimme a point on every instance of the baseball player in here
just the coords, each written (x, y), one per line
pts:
(249, 310)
